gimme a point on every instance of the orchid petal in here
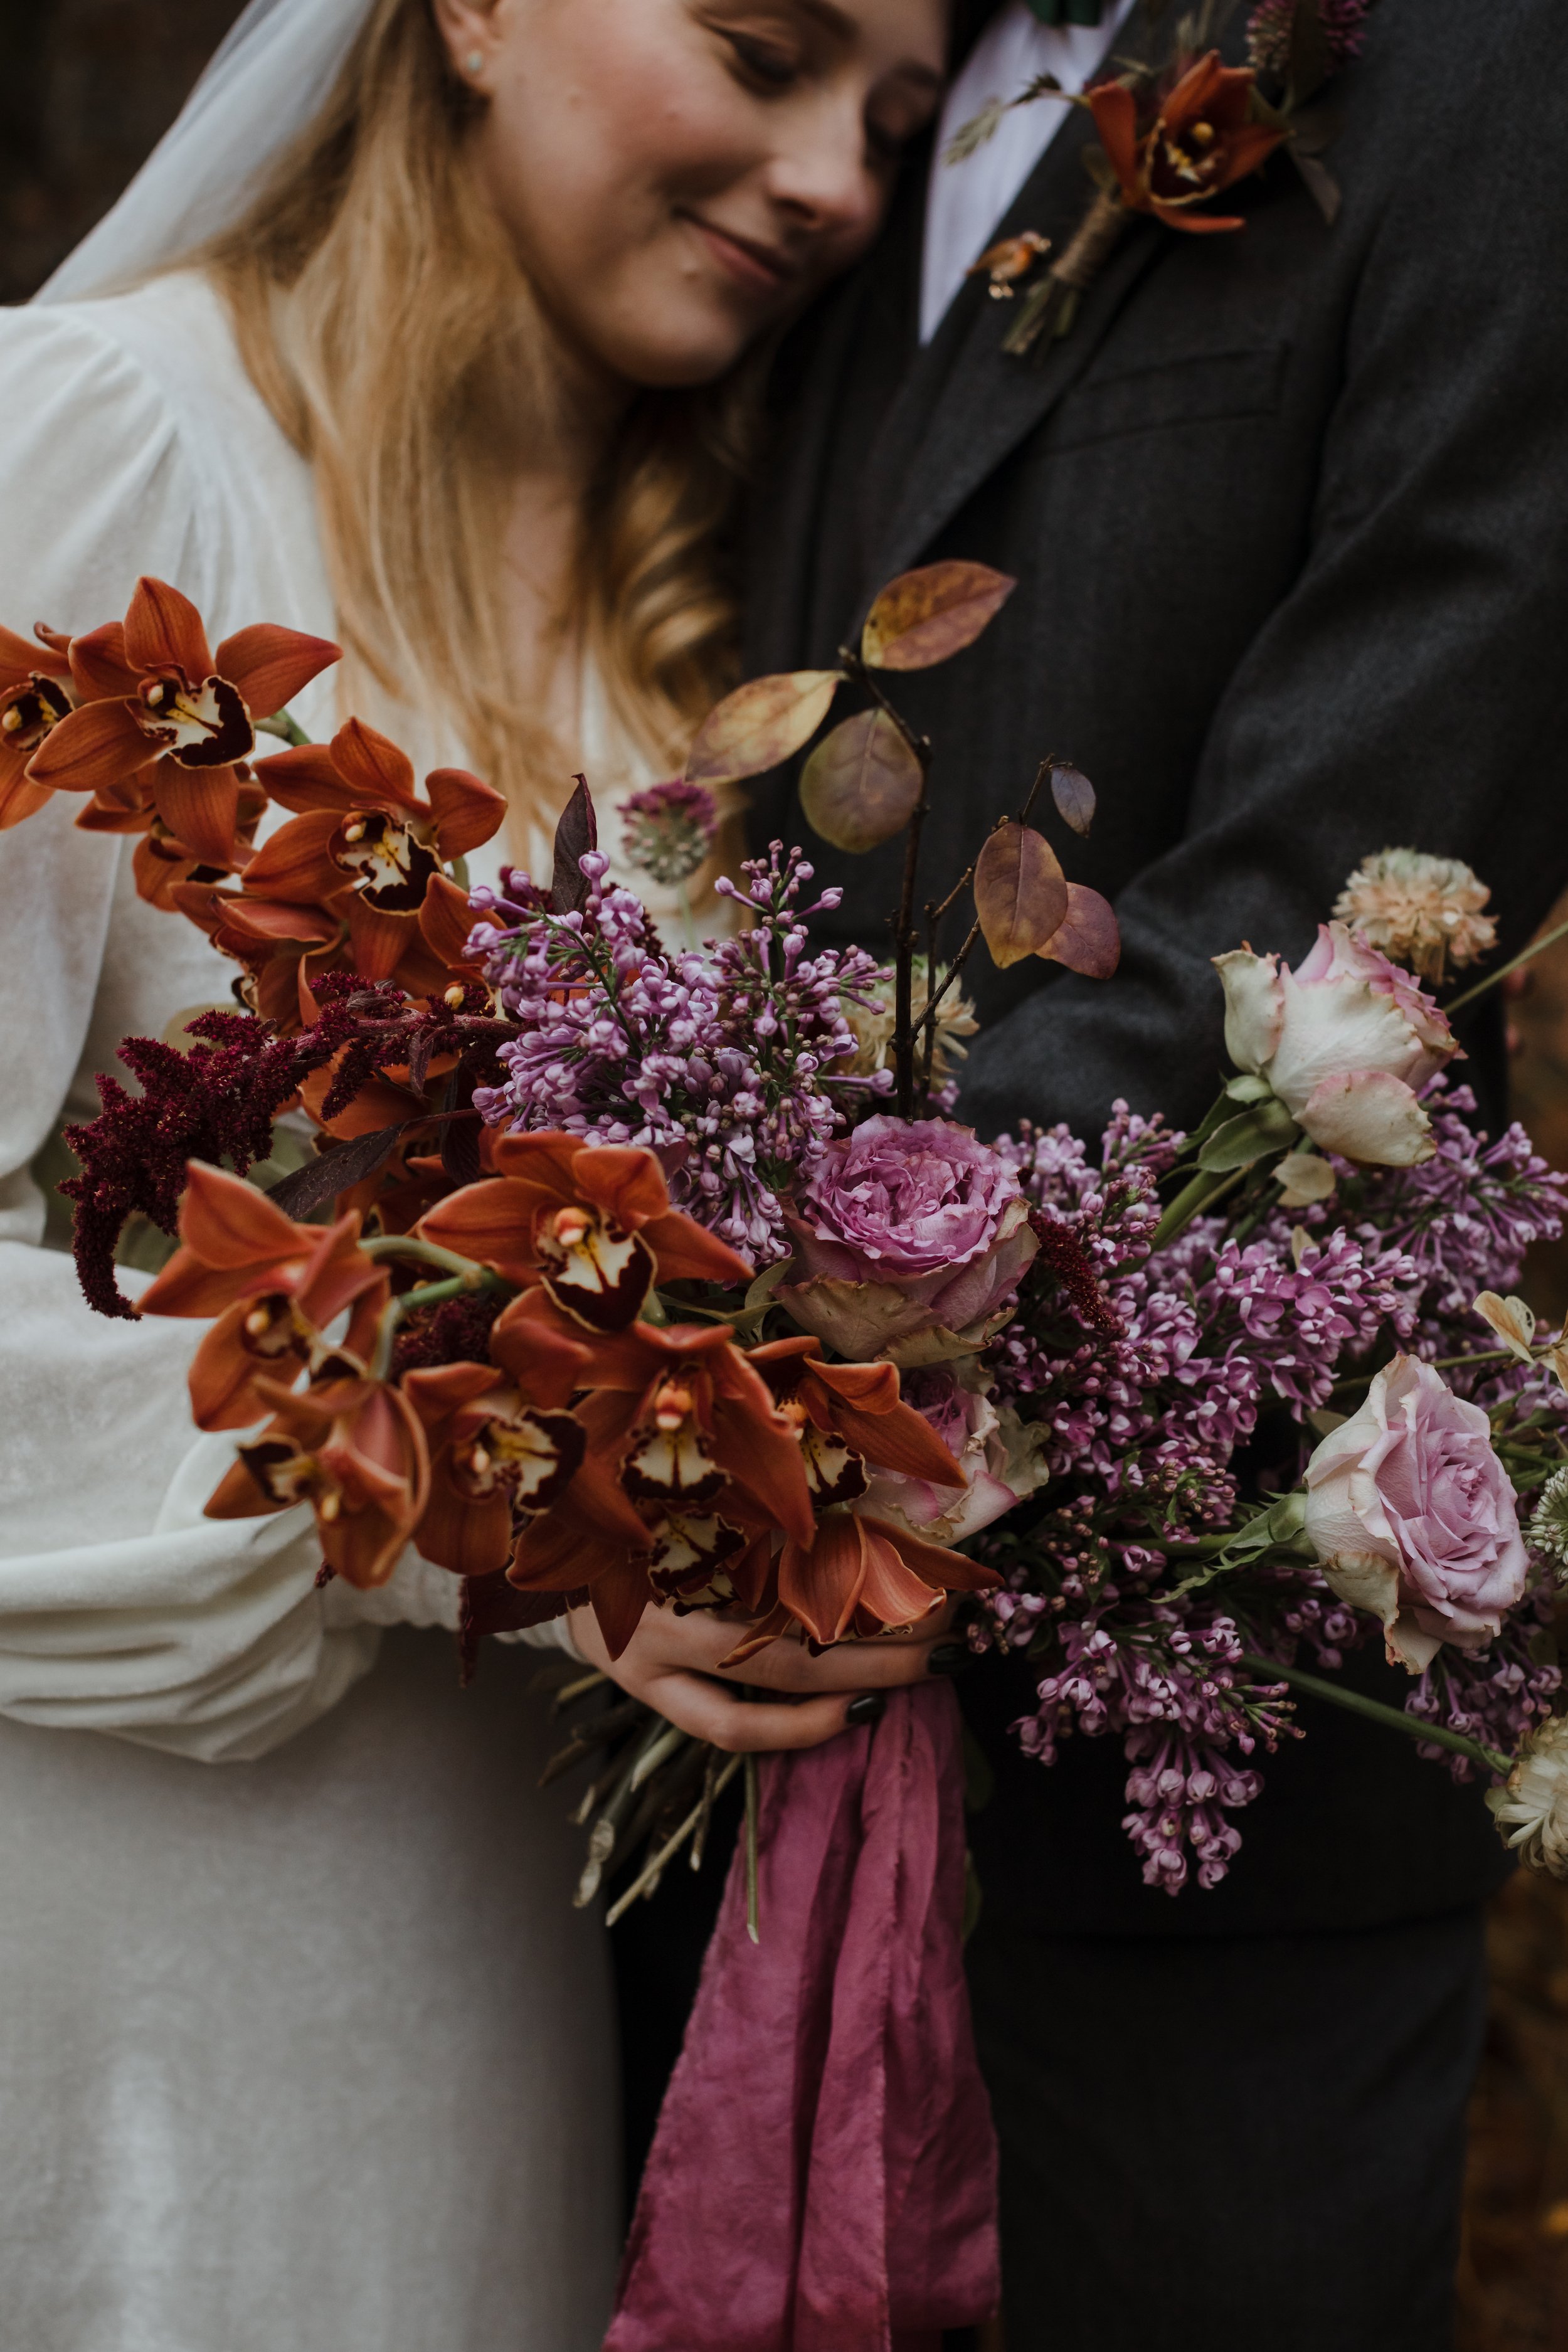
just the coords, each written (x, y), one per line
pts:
(466, 812)
(163, 631)
(268, 666)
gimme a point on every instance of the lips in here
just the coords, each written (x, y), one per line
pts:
(759, 268)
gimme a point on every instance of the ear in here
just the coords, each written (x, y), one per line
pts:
(470, 32)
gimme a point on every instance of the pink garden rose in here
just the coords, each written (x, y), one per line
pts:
(1002, 1458)
(909, 1243)
(1412, 1517)
(1346, 1041)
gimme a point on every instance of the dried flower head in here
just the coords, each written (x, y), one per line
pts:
(1549, 1524)
(1531, 1807)
(873, 1024)
(1421, 911)
(1272, 23)
(668, 830)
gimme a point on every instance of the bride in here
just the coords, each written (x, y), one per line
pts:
(425, 331)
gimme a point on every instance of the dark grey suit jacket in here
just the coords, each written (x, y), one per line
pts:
(1288, 512)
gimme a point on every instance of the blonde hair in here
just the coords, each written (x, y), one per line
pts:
(386, 322)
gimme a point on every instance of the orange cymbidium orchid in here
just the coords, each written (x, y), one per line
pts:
(686, 1427)
(35, 694)
(162, 714)
(363, 844)
(354, 1450)
(496, 1459)
(1202, 139)
(163, 867)
(274, 1287)
(504, 1447)
(862, 1576)
(858, 1575)
(592, 1222)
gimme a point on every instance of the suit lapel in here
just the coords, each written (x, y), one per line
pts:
(967, 403)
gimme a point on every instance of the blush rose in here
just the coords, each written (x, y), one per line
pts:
(1346, 1041)
(1412, 1517)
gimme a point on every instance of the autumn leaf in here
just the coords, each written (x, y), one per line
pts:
(925, 616)
(1074, 796)
(1020, 893)
(1087, 939)
(577, 832)
(861, 784)
(761, 724)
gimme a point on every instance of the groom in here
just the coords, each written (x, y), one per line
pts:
(1288, 512)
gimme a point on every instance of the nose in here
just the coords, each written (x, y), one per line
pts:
(821, 178)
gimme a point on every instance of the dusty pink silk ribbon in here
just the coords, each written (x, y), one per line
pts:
(824, 2175)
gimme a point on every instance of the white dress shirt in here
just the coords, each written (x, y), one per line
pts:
(967, 200)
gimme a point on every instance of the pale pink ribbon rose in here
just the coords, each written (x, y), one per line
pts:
(1002, 1458)
(1346, 1041)
(1412, 1517)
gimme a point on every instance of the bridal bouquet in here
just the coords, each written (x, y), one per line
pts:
(632, 1272)
(620, 1271)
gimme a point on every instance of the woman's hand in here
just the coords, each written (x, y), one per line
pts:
(673, 1663)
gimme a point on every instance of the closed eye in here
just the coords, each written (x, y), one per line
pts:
(761, 65)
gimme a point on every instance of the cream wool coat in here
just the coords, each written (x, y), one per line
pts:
(307, 2053)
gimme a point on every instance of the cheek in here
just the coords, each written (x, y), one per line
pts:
(599, 127)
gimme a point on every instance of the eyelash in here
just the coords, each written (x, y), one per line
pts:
(762, 64)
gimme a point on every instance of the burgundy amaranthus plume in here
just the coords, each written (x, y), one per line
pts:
(1272, 22)
(217, 1102)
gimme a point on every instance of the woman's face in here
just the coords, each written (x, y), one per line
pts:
(677, 176)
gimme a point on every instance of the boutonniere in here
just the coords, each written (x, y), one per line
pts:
(1177, 133)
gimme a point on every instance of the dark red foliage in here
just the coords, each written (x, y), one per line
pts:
(216, 1103)
(1063, 1256)
(459, 1332)
(493, 1606)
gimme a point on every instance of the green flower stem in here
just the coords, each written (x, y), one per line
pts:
(1392, 1717)
(284, 728)
(415, 1252)
(1204, 1192)
(1548, 938)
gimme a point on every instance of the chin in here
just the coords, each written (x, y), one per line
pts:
(679, 360)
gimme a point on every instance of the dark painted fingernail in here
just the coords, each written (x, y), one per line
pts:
(870, 1707)
(950, 1658)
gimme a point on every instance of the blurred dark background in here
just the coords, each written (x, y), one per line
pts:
(87, 87)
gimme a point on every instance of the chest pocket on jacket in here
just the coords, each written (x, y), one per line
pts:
(1201, 390)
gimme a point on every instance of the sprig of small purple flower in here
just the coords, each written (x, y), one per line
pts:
(721, 1059)
(1218, 1334)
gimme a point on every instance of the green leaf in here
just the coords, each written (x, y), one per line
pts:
(1265, 1126)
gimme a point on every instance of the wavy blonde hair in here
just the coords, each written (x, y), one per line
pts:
(384, 318)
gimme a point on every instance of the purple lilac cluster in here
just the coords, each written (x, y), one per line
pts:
(722, 1060)
(1223, 1332)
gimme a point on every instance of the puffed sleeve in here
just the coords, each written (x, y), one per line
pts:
(122, 1609)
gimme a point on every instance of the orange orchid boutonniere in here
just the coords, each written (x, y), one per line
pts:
(1174, 135)
(1204, 139)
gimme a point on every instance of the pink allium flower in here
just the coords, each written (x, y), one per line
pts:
(1414, 1518)
(668, 830)
(1346, 1041)
(910, 1242)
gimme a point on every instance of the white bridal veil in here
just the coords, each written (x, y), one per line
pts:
(265, 83)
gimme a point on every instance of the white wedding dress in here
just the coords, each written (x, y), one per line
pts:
(302, 2047)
